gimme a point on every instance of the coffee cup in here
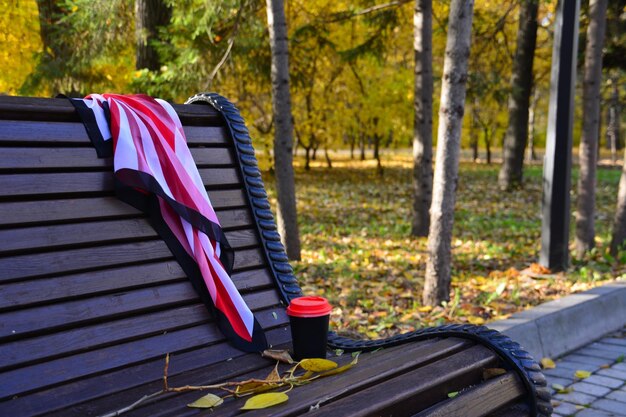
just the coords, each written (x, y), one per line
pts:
(309, 317)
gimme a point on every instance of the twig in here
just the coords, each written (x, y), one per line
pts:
(133, 405)
(165, 370)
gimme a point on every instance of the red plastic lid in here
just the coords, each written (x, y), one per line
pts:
(309, 307)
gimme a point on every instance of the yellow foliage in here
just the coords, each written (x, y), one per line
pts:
(19, 42)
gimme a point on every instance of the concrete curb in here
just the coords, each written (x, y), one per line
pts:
(560, 326)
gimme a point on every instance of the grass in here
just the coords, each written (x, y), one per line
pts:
(357, 251)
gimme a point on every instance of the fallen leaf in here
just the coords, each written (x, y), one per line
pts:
(265, 400)
(619, 359)
(341, 368)
(548, 363)
(453, 394)
(317, 364)
(279, 355)
(582, 374)
(274, 376)
(208, 401)
(560, 389)
(492, 373)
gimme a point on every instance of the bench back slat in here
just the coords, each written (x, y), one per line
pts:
(89, 293)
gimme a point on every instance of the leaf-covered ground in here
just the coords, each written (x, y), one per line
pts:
(357, 252)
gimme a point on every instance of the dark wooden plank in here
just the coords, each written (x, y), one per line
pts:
(105, 232)
(73, 134)
(32, 292)
(57, 237)
(372, 371)
(21, 323)
(16, 354)
(75, 260)
(416, 390)
(49, 290)
(218, 361)
(480, 400)
(35, 108)
(17, 324)
(37, 349)
(101, 208)
(42, 264)
(39, 159)
(72, 184)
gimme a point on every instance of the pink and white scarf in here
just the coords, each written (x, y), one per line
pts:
(151, 158)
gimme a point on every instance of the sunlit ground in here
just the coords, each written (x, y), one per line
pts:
(356, 248)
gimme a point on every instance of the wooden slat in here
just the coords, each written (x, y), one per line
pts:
(14, 354)
(37, 349)
(35, 108)
(75, 260)
(16, 324)
(50, 290)
(481, 400)
(415, 390)
(41, 159)
(220, 360)
(73, 184)
(32, 292)
(104, 232)
(33, 133)
(102, 208)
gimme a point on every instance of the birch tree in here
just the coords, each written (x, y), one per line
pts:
(283, 131)
(423, 117)
(588, 149)
(451, 109)
(519, 99)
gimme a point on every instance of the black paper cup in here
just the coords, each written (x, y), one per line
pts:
(309, 318)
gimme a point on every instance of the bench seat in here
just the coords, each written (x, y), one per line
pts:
(91, 299)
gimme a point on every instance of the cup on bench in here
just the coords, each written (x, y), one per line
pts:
(309, 317)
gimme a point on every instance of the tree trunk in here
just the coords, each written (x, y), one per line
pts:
(362, 146)
(283, 133)
(588, 149)
(329, 162)
(379, 165)
(352, 144)
(612, 128)
(532, 156)
(422, 118)
(488, 136)
(57, 54)
(150, 15)
(619, 223)
(519, 99)
(437, 281)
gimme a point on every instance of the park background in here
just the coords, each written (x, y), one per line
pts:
(352, 75)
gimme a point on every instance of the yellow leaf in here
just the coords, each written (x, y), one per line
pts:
(425, 309)
(265, 400)
(317, 365)
(548, 363)
(341, 368)
(476, 320)
(582, 374)
(492, 373)
(208, 401)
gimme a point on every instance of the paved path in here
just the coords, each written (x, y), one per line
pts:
(601, 394)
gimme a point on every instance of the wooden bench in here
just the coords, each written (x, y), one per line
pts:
(91, 299)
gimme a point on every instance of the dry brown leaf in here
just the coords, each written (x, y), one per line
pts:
(279, 355)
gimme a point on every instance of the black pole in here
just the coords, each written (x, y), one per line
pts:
(558, 160)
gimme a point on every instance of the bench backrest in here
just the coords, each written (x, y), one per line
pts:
(91, 299)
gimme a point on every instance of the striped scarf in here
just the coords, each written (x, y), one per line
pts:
(154, 171)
